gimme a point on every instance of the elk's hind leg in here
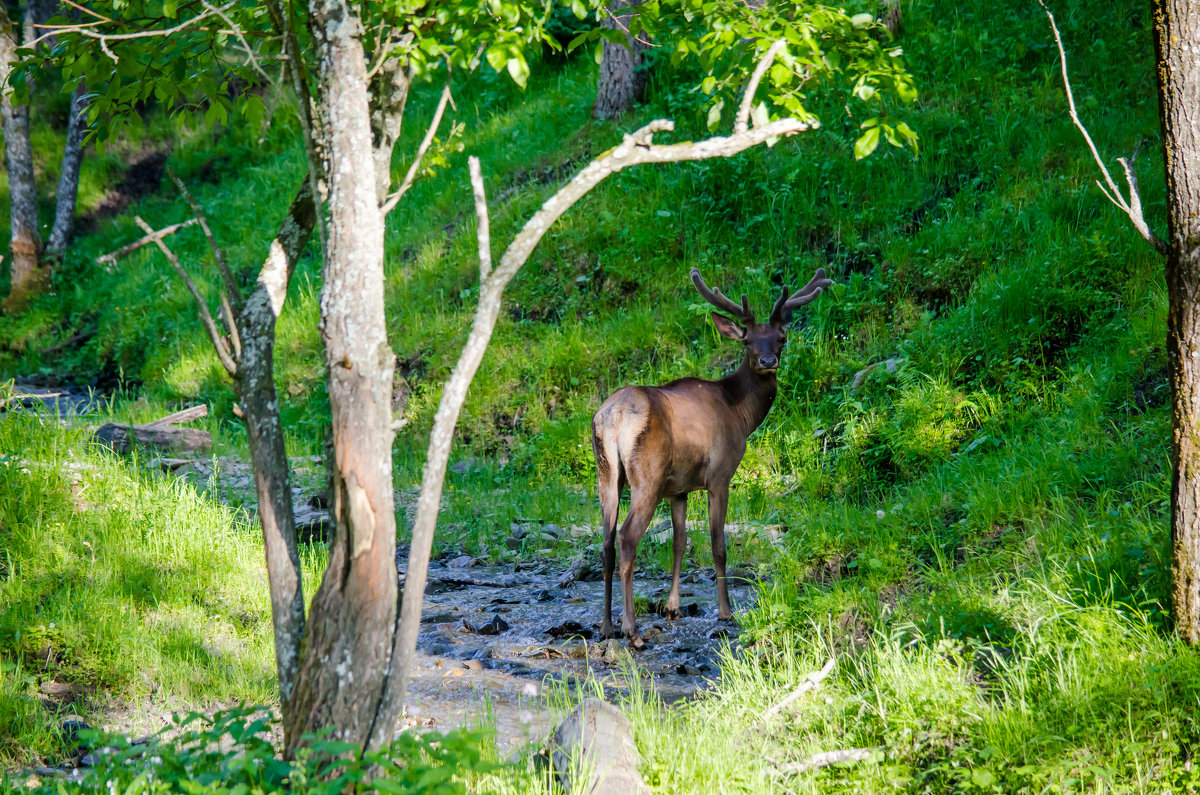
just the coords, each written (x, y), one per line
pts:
(609, 488)
(678, 547)
(641, 511)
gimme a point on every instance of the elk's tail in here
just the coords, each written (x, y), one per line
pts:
(608, 475)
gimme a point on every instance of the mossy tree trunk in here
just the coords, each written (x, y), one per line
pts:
(1176, 39)
(26, 242)
(622, 79)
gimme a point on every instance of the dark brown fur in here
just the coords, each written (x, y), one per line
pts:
(667, 441)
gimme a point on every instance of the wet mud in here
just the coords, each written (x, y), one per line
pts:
(499, 643)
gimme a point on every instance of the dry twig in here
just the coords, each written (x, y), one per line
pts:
(113, 256)
(1132, 207)
(219, 343)
(811, 682)
(426, 142)
(825, 759)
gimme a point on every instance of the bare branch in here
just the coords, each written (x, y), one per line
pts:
(231, 286)
(481, 213)
(205, 316)
(113, 256)
(825, 759)
(741, 122)
(811, 682)
(426, 142)
(85, 29)
(1133, 207)
(242, 40)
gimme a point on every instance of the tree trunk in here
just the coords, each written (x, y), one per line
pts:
(255, 385)
(18, 155)
(68, 180)
(346, 654)
(1176, 37)
(622, 80)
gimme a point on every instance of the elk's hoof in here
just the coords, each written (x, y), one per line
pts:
(725, 615)
(637, 643)
(607, 632)
(671, 613)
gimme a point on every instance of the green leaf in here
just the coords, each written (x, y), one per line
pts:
(866, 143)
(518, 69)
(714, 114)
(578, 9)
(170, 8)
(759, 115)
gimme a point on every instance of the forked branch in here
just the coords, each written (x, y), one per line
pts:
(411, 177)
(219, 343)
(1131, 207)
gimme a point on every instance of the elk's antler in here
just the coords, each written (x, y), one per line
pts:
(742, 313)
(782, 312)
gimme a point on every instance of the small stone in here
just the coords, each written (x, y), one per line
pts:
(552, 530)
(462, 467)
(461, 562)
(473, 665)
(493, 627)
(687, 670)
(569, 629)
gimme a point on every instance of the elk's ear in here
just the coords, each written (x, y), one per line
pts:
(728, 328)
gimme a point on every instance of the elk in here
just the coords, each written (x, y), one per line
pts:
(667, 441)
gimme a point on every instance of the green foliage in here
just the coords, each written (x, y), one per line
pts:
(232, 752)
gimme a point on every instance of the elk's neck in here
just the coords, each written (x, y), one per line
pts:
(750, 394)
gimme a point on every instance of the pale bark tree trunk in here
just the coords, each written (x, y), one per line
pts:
(26, 242)
(68, 180)
(622, 80)
(346, 653)
(1176, 40)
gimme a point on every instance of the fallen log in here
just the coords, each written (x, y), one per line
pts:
(121, 438)
(182, 416)
(595, 743)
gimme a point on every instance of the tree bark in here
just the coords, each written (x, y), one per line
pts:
(18, 155)
(622, 80)
(68, 180)
(255, 386)
(345, 658)
(1176, 38)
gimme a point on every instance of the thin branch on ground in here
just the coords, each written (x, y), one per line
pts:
(1132, 207)
(205, 316)
(811, 682)
(113, 256)
(409, 178)
(825, 759)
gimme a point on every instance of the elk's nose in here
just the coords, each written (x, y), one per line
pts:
(768, 362)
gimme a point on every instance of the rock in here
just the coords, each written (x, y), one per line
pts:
(473, 665)
(493, 627)
(546, 595)
(582, 570)
(719, 633)
(569, 629)
(615, 652)
(512, 543)
(662, 532)
(518, 530)
(552, 530)
(461, 562)
(462, 467)
(70, 732)
(736, 576)
(683, 669)
(596, 741)
(440, 617)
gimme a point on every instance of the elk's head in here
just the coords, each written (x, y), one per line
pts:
(763, 341)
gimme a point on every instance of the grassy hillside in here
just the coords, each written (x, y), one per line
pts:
(978, 532)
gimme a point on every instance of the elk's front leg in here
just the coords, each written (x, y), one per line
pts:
(718, 501)
(678, 547)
